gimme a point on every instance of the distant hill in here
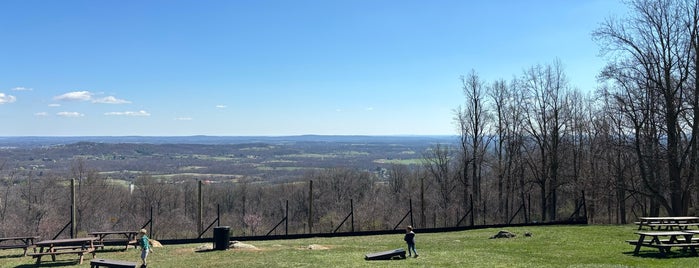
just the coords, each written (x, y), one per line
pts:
(40, 141)
(214, 157)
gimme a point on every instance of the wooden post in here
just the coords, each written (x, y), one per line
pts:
(73, 230)
(411, 213)
(310, 207)
(200, 209)
(286, 217)
(472, 212)
(150, 231)
(423, 216)
(352, 212)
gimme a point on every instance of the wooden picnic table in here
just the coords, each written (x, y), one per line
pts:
(665, 240)
(123, 237)
(79, 246)
(23, 242)
(668, 223)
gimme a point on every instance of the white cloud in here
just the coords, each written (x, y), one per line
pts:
(22, 89)
(54, 105)
(221, 106)
(7, 98)
(129, 113)
(110, 100)
(183, 118)
(75, 96)
(70, 114)
(41, 114)
(89, 96)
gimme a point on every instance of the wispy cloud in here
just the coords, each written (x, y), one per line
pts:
(110, 100)
(75, 96)
(221, 106)
(183, 118)
(54, 105)
(7, 98)
(41, 114)
(129, 113)
(369, 109)
(22, 89)
(70, 114)
(89, 96)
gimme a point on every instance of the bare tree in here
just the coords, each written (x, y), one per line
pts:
(653, 56)
(474, 123)
(438, 162)
(546, 87)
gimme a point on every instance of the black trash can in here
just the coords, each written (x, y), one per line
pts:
(222, 236)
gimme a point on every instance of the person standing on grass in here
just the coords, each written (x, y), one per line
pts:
(145, 247)
(410, 240)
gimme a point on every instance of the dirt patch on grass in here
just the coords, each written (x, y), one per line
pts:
(242, 246)
(183, 250)
(317, 247)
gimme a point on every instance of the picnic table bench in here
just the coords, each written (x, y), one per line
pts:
(126, 238)
(23, 242)
(657, 240)
(667, 223)
(79, 246)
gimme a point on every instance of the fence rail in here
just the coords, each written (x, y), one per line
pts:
(580, 221)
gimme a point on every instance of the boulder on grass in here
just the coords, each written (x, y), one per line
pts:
(503, 234)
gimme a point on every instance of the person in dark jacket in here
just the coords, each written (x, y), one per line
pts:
(410, 240)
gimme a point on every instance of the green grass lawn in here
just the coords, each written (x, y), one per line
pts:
(549, 246)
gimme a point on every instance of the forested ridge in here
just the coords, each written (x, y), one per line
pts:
(530, 148)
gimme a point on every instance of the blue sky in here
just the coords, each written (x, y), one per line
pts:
(230, 68)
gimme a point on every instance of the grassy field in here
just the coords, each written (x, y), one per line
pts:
(550, 246)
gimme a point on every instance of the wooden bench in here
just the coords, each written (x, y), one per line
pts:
(667, 223)
(665, 248)
(664, 241)
(634, 241)
(112, 263)
(116, 242)
(115, 238)
(20, 242)
(386, 255)
(63, 250)
(18, 246)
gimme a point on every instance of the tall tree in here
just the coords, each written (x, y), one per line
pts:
(546, 88)
(474, 123)
(655, 48)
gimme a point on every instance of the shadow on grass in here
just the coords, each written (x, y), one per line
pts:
(58, 263)
(11, 256)
(657, 255)
(111, 250)
(205, 250)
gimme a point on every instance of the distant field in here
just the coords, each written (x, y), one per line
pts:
(211, 158)
(550, 246)
(415, 161)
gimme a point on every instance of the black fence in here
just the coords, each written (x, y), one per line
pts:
(576, 221)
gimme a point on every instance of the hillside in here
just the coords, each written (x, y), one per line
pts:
(213, 158)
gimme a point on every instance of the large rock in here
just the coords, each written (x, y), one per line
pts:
(503, 234)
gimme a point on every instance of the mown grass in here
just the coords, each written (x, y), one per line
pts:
(550, 246)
